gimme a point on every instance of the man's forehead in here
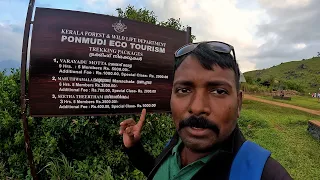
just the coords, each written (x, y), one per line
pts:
(192, 69)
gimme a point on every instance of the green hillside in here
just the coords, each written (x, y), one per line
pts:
(303, 75)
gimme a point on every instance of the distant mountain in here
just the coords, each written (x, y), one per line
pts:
(8, 64)
(305, 73)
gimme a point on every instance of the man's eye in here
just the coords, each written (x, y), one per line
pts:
(182, 90)
(219, 91)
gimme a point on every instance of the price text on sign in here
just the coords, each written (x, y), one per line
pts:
(91, 64)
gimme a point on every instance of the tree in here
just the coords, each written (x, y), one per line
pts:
(249, 79)
(272, 80)
(142, 15)
(148, 16)
(318, 54)
(258, 80)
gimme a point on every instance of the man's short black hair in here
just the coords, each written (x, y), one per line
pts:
(208, 58)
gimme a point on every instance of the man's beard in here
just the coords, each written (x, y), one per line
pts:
(199, 122)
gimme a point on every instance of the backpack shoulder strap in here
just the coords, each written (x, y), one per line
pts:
(168, 143)
(249, 162)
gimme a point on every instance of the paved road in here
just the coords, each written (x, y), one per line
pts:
(311, 111)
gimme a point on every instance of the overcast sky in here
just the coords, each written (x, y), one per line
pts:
(263, 32)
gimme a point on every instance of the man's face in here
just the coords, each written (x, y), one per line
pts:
(208, 94)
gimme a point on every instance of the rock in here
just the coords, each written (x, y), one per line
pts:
(314, 128)
(302, 66)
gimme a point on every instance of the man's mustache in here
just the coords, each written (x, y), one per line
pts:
(199, 122)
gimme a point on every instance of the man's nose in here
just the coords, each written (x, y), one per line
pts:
(200, 103)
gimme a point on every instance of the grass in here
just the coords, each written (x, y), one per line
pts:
(284, 133)
(61, 168)
(302, 101)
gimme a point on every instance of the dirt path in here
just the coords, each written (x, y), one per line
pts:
(250, 97)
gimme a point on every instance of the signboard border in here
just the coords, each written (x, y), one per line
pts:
(188, 40)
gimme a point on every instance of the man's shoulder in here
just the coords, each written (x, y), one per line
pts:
(275, 171)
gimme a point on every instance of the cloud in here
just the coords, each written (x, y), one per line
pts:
(13, 10)
(12, 18)
(105, 6)
(285, 3)
(291, 34)
(221, 20)
(8, 64)
(300, 46)
(263, 32)
(216, 20)
(11, 44)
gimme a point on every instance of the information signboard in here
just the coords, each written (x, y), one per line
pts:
(92, 64)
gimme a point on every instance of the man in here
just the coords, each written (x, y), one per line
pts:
(205, 104)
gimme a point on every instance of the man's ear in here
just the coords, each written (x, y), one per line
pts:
(239, 101)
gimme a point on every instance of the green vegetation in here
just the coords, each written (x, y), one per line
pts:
(302, 101)
(90, 148)
(67, 147)
(284, 132)
(148, 16)
(255, 87)
(302, 76)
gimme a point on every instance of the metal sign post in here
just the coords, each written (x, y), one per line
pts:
(23, 97)
(189, 35)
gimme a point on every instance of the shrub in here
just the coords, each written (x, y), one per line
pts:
(253, 88)
(66, 147)
(294, 86)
